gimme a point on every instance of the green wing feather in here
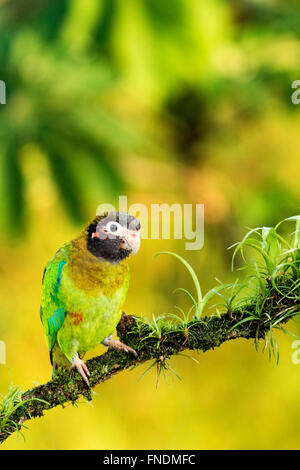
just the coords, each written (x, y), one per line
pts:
(52, 309)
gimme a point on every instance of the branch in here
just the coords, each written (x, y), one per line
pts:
(158, 344)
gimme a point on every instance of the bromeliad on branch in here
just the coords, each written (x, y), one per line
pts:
(273, 299)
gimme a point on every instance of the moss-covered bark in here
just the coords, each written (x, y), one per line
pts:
(168, 340)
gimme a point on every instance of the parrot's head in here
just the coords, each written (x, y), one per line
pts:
(113, 236)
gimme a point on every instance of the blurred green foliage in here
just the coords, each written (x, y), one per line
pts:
(67, 63)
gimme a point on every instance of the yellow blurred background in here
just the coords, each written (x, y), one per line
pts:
(182, 104)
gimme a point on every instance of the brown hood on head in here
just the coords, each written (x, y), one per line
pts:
(113, 236)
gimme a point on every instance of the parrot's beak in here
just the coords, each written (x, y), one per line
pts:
(131, 241)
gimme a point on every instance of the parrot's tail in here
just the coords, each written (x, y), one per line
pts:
(53, 369)
(58, 359)
(53, 363)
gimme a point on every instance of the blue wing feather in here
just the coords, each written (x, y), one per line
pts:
(52, 309)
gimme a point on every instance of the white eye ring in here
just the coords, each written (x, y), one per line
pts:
(114, 227)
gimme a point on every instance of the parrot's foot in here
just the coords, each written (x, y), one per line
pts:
(118, 345)
(81, 367)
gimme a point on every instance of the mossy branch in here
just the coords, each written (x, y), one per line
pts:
(157, 342)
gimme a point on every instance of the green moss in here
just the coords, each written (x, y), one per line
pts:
(275, 299)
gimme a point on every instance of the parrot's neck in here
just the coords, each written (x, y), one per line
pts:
(93, 274)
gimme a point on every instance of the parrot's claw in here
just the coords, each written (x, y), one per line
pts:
(81, 367)
(119, 346)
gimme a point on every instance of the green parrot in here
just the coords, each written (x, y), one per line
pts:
(84, 287)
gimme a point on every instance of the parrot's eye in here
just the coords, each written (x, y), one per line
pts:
(115, 228)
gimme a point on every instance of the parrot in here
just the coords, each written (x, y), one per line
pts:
(84, 287)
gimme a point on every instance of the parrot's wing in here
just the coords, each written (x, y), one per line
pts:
(52, 309)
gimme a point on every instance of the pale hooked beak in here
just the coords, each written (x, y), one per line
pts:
(131, 240)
